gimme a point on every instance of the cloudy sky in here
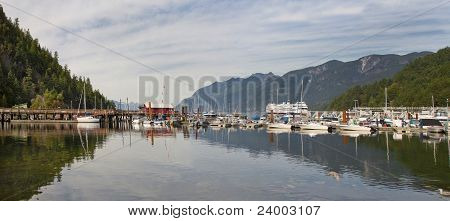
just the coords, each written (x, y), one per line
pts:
(223, 38)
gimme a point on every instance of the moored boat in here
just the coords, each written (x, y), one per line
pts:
(313, 126)
(353, 127)
(88, 119)
(279, 126)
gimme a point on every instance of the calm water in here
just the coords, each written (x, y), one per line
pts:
(70, 162)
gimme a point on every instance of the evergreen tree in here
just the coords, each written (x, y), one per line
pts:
(27, 69)
(413, 86)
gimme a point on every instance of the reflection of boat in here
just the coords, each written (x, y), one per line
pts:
(353, 127)
(138, 120)
(160, 132)
(279, 126)
(444, 192)
(312, 133)
(278, 131)
(397, 136)
(136, 127)
(87, 126)
(433, 137)
(354, 133)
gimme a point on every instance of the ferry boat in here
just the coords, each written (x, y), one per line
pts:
(288, 108)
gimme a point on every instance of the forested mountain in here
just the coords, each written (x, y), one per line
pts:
(29, 71)
(413, 86)
(320, 84)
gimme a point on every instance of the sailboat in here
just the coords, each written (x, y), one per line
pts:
(86, 118)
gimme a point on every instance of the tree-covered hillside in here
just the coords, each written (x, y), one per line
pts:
(28, 70)
(413, 86)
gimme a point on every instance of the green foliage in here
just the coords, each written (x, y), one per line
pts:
(27, 69)
(50, 99)
(413, 86)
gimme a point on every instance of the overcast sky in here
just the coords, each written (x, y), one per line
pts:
(222, 38)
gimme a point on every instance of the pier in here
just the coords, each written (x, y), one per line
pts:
(65, 115)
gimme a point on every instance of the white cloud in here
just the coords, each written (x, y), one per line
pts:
(198, 38)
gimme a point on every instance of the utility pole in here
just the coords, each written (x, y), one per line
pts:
(385, 99)
(446, 126)
(432, 101)
(301, 93)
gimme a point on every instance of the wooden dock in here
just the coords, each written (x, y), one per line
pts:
(64, 115)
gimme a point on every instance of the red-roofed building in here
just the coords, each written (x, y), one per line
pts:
(158, 109)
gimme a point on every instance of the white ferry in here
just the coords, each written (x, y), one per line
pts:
(288, 108)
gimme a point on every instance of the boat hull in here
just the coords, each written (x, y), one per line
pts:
(313, 127)
(88, 120)
(355, 128)
(279, 126)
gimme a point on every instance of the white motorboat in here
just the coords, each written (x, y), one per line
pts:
(435, 129)
(137, 121)
(88, 119)
(353, 127)
(158, 123)
(432, 125)
(279, 126)
(87, 126)
(313, 126)
(216, 123)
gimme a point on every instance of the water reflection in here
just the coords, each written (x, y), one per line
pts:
(33, 155)
(420, 162)
(43, 161)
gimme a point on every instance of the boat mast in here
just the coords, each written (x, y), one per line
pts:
(432, 101)
(385, 100)
(301, 93)
(84, 93)
(277, 93)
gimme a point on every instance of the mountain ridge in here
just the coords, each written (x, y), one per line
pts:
(414, 85)
(321, 84)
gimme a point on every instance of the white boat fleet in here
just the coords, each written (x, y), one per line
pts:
(289, 116)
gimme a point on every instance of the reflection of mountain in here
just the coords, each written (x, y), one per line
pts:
(32, 156)
(409, 162)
